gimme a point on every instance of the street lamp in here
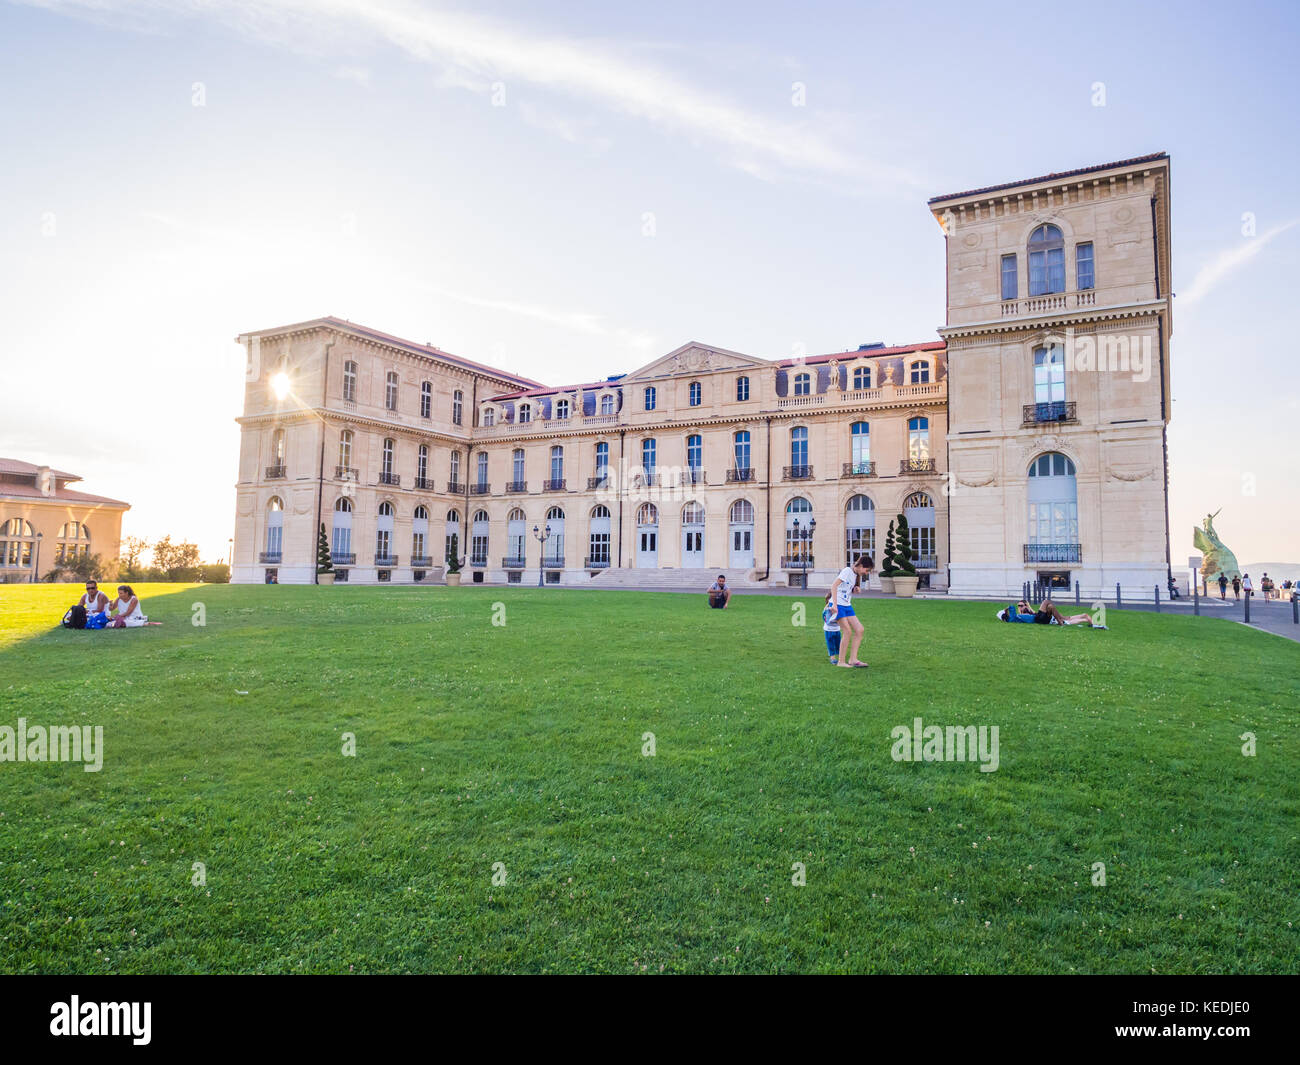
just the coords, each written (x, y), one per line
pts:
(542, 537)
(36, 570)
(230, 553)
(803, 537)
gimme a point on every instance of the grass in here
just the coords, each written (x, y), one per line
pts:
(522, 744)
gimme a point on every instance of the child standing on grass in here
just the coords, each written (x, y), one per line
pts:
(831, 629)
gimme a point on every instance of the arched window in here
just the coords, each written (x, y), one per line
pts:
(74, 542)
(744, 470)
(489, 416)
(420, 537)
(525, 413)
(918, 509)
(742, 512)
(859, 528)
(802, 384)
(741, 528)
(478, 539)
(694, 451)
(1053, 506)
(1049, 380)
(650, 398)
(1046, 261)
(598, 539)
(453, 529)
(696, 394)
(606, 404)
(557, 469)
(426, 399)
(274, 528)
(918, 439)
(861, 377)
(742, 389)
(860, 438)
(517, 468)
(516, 538)
(350, 381)
(553, 549)
(457, 406)
(390, 391)
(341, 538)
(798, 513)
(799, 452)
(692, 514)
(345, 452)
(422, 467)
(562, 409)
(920, 373)
(384, 535)
(647, 514)
(16, 540)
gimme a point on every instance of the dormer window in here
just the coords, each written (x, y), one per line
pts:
(562, 409)
(802, 384)
(861, 377)
(606, 404)
(920, 374)
(489, 416)
(525, 413)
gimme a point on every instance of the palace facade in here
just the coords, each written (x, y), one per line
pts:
(1010, 458)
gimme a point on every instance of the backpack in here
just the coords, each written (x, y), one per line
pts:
(75, 618)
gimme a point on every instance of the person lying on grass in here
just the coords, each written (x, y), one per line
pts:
(1045, 614)
(126, 611)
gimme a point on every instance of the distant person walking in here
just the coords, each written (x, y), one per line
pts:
(1246, 586)
(1236, 587)
(1223, 586)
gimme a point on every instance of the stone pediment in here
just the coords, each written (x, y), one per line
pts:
(694, 358)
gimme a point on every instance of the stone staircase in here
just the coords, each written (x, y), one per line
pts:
(673, 580)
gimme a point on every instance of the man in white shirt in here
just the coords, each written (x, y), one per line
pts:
(719, 593)
(842, 599)
(95, 601)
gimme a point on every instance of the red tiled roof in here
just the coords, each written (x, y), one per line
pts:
(542, 391)
(869, 353)
(62, 495)
(29, 469)
(1153, 157)
(411, 345)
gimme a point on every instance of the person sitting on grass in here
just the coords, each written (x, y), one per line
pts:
(1044, 614)
(831, 629)
(719, 593)
(126, 611)
(94, 601)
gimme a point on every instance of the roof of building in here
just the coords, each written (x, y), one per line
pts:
(544, 391)
(30, 469)
(865, 353)
(387, 338)
(1153, 157)
(61, 495)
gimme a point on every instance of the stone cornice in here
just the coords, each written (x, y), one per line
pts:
(1060, 320)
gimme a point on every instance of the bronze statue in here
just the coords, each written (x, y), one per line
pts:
(1216, 558)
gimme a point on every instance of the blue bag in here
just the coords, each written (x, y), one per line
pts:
(97, 621)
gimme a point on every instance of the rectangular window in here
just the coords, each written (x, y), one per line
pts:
(426, 400)
(649, 399)
(1009, 279)
(1083, 266)
(1046, 271)
(742, 389)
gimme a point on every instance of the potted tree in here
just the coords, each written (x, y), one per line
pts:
(324, 563)
(904, 568)
(453, 561)
(887, 563)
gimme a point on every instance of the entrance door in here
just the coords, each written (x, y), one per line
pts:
(693, 547)
(647, 548)
(742, 546)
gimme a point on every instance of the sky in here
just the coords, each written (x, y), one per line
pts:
(569, 190)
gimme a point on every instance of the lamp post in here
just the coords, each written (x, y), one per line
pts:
(36, 570)
(230, 552)
(542, 537)
(803, 537)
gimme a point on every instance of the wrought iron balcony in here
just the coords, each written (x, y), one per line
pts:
(424, 484)
(796, 561)
(421, 560)
(478, 561)
(645, 479)
(455, 488)
(390, 478)
(553, 485)
(859, 469)
(275, 473)
(1057, 411)
(552, 562)
(480, 489)
(693, 475)
(347, 473)
(596, 563)
(740, 473)
(270, 557)
(916, 466)
(798, 473)
(515, 487)
(385, 561)
(1053, 553)
(340, 559)
(926, 562)
(597, 482)
(514, 563)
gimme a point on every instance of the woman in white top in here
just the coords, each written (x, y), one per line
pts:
(842, 598)
(126, 611)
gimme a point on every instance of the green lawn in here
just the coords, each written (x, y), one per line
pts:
(522, 744)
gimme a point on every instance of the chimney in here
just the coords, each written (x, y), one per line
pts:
(44, 482)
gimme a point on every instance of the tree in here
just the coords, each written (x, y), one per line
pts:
(78, 567)
(214, 573)
(324, 563)
(453, 554)
(131, 550)
(887, 568)
(903, 563)
(180, 561)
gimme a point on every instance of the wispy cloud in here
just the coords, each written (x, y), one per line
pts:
(1227, 262)
(473, 51)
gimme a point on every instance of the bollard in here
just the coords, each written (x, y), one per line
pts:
(1118, 600)
(1247, 608)
(1295, 609)
(1157, 599)
(1076, 593)
(1196, 600)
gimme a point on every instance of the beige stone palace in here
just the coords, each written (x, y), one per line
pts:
(1028, 443)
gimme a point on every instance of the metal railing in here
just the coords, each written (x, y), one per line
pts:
(926, 562)
(1053, 553)
(553, 485)
(393, 479)
(347, 473)
(271, 557)
(424, 484)
(478, 561)
(740, 473)
(386, 561)
(455, 488)
(480, 489)
(597, 482)
(514, 563)
(596, 563)
(421, 560)
(1057, 411)
(859, 469)
(796, 561)
(340, 559)
(693, 475)
(798, 473)
(515, 487)
(275, 473)
(916, 466)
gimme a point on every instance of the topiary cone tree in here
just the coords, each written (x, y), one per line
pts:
(324, 563)
(887, 564)
(904, 564)
(453, 554)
